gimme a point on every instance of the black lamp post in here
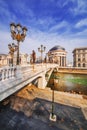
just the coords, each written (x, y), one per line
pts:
(55, 80)
(12, 47)
(42, 49)
(18, 33)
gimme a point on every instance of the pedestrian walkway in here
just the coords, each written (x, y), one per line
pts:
(34, 115)
(30, 110)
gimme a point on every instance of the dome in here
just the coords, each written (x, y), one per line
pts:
(57, 48)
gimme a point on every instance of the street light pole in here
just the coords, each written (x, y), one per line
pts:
(18, 54)
(52, 103)
(41, 50)
(18, 33)
(52, 115)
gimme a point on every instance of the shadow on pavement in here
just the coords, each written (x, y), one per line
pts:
(24, 114)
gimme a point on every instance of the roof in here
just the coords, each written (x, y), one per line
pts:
(80, 48)
(3, 54)
(57, 48)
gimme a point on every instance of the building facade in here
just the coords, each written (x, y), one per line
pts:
(6, 59)
(57, 54)
(80, 57)
(3, 59)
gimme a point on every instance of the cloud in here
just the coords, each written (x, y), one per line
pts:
(35, 38)
(68, 4)
(5, 14)
(81, 23)
(81, 34)
(80, 7)
(46, 22)
(59, 25)
(22, 8)
(5, 39)
(15, 11)
(49, 23)
(68, 41)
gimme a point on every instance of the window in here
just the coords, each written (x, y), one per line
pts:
(79, 55)
(78, 59)
(83, 50)
(83, 55)
(79, 65)
(83, 64)
(83, 59)
(78, 51)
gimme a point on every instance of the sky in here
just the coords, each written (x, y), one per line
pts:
(49, 22)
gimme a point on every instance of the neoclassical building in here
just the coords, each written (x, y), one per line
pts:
(80, 57)
(3, 59)
(6, 59)
(22, 59)
(57, 54)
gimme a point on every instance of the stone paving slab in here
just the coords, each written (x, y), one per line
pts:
(84, 110)
(30, 110)
(34, 115)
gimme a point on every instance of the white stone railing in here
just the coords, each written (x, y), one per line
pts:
(11, 72)
(14, 78)
(7, 73)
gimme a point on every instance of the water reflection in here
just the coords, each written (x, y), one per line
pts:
(74, 83)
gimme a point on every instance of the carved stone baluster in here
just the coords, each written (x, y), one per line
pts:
(3, 75)
(6, 73)
(12, 72)
(15, 72)
(9, 72)
(0, 75)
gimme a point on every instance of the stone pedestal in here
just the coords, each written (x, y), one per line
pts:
(52, 117)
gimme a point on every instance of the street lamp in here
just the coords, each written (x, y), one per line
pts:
(18, 33)
(12, 47)
(42, 49)
(55, 80)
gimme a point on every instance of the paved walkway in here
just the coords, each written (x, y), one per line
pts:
(34, 115)
(30, 112)
(74, 100)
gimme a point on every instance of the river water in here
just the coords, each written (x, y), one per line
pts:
(73, 83)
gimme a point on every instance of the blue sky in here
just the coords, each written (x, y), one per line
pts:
(49, 22)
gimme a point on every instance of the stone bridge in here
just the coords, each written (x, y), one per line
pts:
(12, 79)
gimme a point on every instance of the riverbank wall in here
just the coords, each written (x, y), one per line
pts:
(72, 70)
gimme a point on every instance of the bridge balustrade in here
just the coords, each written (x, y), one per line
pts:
(6, 73)
(11, 72)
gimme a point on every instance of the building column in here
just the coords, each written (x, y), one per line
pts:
(65, 61)
(61, 61)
